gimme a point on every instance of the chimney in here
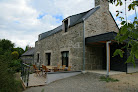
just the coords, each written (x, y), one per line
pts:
(103, 4)
(97, 2)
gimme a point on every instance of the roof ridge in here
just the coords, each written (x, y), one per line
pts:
(83, 12)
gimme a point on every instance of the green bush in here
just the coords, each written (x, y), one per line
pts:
(9, 65)
(16, 65)
(7, 81)
(15, 55)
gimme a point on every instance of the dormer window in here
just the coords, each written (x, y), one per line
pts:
(39, 37)
(65, 24)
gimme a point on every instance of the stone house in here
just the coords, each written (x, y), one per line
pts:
(28, 56)
(81, 41)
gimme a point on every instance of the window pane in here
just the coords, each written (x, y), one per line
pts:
(65, 56)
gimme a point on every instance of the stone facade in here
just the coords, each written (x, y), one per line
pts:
(99, 22)
(94, 57)
(28, 59)
(71, 41)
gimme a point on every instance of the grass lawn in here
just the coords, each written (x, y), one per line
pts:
(108, 79)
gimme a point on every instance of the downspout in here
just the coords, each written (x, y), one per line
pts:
(84, 44)
(107, 56)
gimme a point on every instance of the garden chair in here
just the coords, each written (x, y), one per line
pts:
(59, 68)
(56, 69)
(43, 69)
(46, 69)
(36, 70)
(63, 67)
(69, 68)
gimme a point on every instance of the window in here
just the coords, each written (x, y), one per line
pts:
(65, 58)
(37, 57)
(48, 57)
(66, 25)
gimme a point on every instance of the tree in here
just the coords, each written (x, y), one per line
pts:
(15, 55)
(19, 50)
(7, 78)
(5, 45)
(9, 65)
(128, 33)
(26, 48)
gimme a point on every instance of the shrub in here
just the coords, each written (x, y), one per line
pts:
(16, 65)
(15, 55)
(7, 81)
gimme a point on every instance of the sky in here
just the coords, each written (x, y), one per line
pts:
(21, 21)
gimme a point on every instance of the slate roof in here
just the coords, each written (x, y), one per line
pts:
(29, 52)
(74, 19)
(101, 37)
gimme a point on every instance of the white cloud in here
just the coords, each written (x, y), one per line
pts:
(19, 22)
(62, 7)
(19, 18)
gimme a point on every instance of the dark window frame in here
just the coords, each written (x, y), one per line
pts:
(38, 57)
(66, 58)
(66, 25)
(48, 58)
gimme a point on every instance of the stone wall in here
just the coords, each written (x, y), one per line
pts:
(28, 59)
(94, 57)
(100, 22)
(71, 41)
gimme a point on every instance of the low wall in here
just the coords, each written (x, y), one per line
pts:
(53, 76)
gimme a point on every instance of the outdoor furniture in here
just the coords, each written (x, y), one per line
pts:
(59, 67)
(46, 69)
(55, 69)
(43, 69)
(36, 70)
(51, 68)
(69, 68)
(63, 67)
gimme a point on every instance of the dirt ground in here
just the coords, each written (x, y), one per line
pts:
(90, 82)
(128, 82)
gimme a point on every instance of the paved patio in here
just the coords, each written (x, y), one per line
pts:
(35, 80)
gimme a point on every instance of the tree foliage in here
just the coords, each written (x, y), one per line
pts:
(26, 48)
(15, 55)
(128, 33)
(19, 50)
(7, 78)
(6, 45)
(9, 65)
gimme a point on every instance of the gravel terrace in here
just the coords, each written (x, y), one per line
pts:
(88, 82)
